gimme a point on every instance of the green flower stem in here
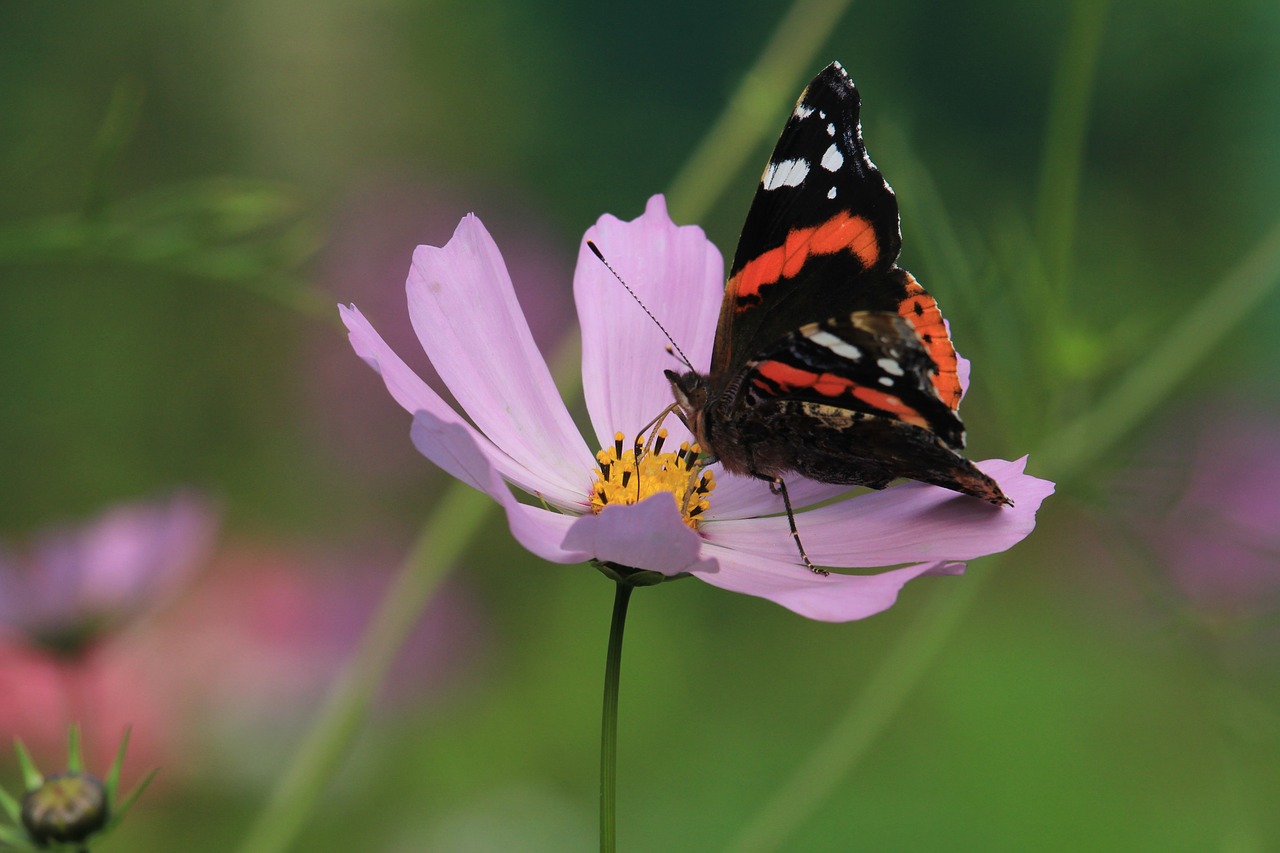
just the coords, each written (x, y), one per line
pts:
(609, 721)
(775, 78)
(461, 514)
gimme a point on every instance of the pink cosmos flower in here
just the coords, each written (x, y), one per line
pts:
(727, 531)
(77, 582)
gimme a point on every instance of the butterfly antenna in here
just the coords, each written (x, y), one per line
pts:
(595, 250)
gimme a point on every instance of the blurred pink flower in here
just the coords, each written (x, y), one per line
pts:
(224, 675)
(107, 689)
(1209, 507)
(267, 629)
(75, 583)
(463, 308)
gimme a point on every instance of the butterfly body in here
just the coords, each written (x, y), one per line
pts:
(830, 361)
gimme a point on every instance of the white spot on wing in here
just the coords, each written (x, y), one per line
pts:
(788, 173)
(831, 193)
(802, 112)
(832, 159)
(831, 129)
(840, 347)
(886, 381)
(890, 366)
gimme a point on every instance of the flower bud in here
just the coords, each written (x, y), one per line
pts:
(67, 807)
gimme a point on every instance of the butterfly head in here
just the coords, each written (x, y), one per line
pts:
(691, 393)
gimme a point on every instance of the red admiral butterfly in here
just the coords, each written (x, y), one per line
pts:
(830, 360)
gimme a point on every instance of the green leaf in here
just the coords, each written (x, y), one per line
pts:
(31, 777)
(118, 814)
(75, 757)
(112, 781)
(15, 838)
(10, 806)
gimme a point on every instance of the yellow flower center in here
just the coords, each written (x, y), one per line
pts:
(629, 476)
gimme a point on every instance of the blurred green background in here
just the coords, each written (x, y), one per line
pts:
(186, 189)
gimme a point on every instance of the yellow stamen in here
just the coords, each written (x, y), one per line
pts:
(631, 476)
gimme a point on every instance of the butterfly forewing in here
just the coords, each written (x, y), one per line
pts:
(823, 217)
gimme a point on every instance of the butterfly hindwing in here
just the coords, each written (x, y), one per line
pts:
(838, 445)
(868, 361)
(899, 291)
(854, 397)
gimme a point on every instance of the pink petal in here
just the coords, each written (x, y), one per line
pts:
(830, 598)
(747, 497)
(464, 309)
(539, 530)
(647, 535)
(414, 396)
(679, 275)
(909, 523)
(406, 387)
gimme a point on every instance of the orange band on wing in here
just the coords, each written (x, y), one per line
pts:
(889, 403)
(846, 231)
(842, 232)
(921, 311)
(788, 378)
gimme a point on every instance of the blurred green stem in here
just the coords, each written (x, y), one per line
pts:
(1064, 145)
(609, 721)
(871, 712)
(460, 515)
(775, 78)
(463, 512)
(113, 139)
(1063, 455)
(1134, 398)
(1174, 353)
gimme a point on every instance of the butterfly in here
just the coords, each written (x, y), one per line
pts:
(830, 361)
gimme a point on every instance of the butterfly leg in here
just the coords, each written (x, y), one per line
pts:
(779, 487)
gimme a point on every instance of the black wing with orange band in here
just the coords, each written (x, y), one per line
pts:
(867, 362)
(821, 240)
